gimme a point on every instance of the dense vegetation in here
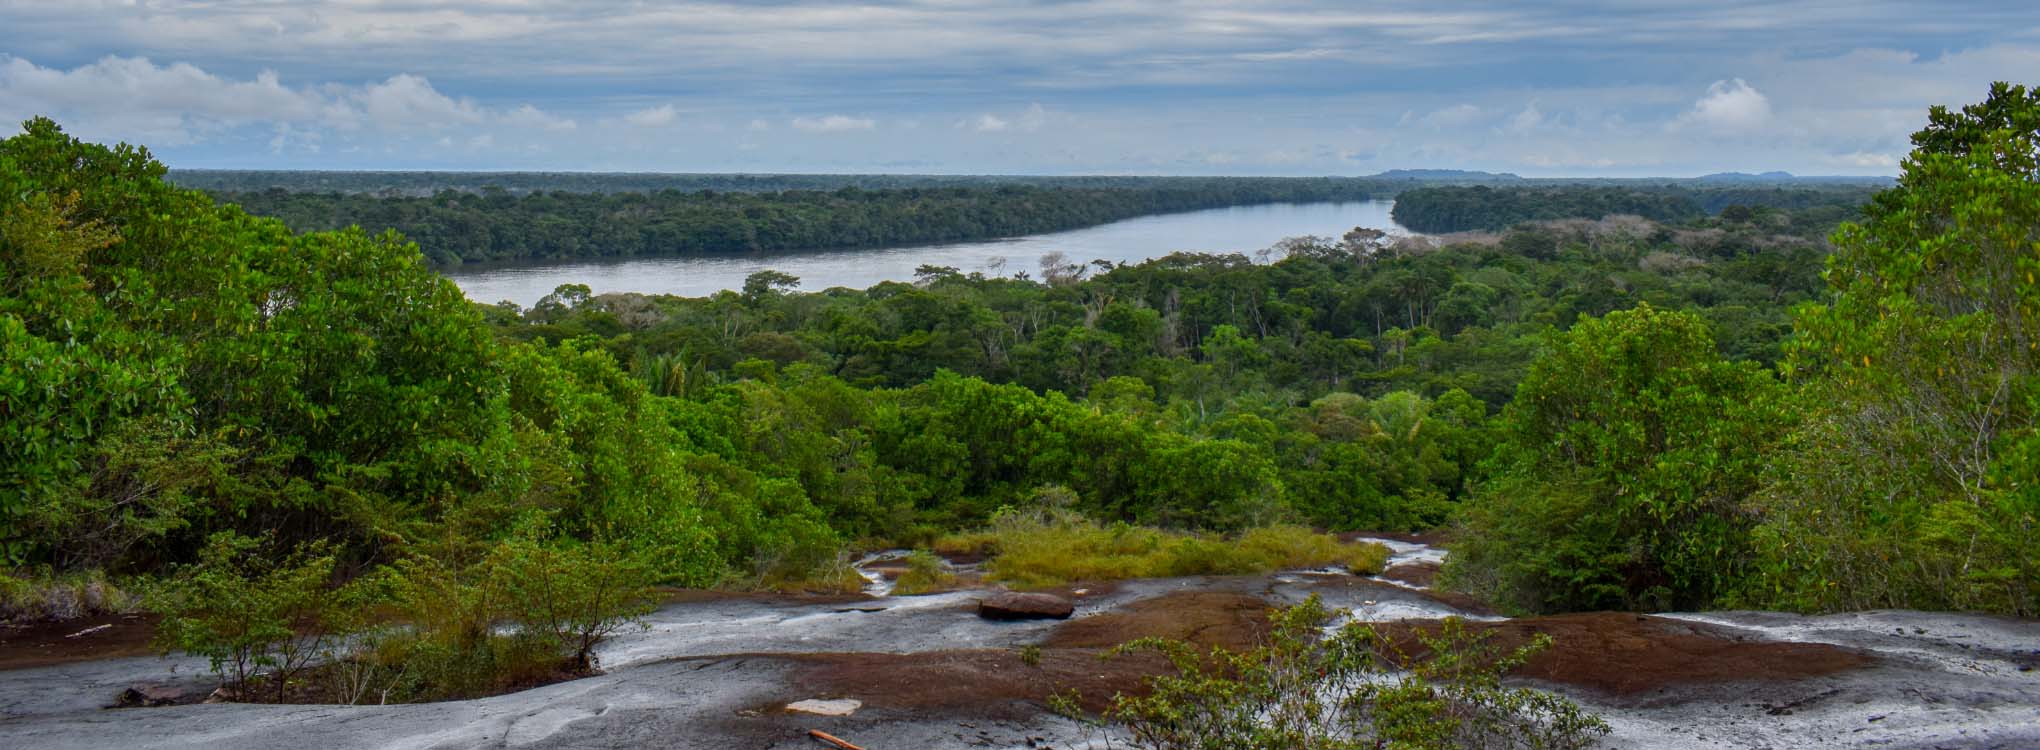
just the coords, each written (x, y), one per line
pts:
(457, 227)
(1888, 462)
(1445, 209)
(1617, 413)
(426, 184)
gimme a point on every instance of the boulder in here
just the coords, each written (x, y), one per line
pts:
(1015, 606)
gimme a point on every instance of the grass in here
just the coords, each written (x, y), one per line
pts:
(925, 575)
(41, 597)
(1044, 550)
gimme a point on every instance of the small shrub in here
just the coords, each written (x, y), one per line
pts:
(1030, 655)
(260, 618)
(42, 596)
(925, 574)
(573, 595)
(1354, 688)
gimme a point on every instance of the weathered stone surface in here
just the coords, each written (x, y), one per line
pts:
(822, 707)
(1016, 606)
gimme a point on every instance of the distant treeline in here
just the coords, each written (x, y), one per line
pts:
(425, 184)
(457, 227)
(1460, 209)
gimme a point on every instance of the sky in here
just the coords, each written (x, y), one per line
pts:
(1269, 87)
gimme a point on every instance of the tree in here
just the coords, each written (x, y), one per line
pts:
(1917, 483)
(1624, 465)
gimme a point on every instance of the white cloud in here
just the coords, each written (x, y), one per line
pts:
(833, 123)
(407, 102)
(1731, 106)
(758, 125)
(653, 117)
(1457, 115)
(1527, 120)
(133, 98)
(530, 117)
(990, 123)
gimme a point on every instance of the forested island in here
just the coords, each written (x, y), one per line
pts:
(267, 425)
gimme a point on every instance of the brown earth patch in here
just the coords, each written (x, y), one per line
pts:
(1206, 618)
(1415, 574)
(991, 683)
(42, 644)
(1627, 654)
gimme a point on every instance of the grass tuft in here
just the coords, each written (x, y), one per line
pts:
(1051, 549)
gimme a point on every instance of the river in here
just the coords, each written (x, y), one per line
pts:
(1237, 229)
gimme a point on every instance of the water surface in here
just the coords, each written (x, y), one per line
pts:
(1241, 229)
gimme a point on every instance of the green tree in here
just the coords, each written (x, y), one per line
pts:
(1622, 473)
(1917, 483)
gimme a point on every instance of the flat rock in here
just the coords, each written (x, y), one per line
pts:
(1016, 606)
(829, 707)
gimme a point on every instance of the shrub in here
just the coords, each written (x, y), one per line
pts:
(925, 574)
(1353, 688)
(43, 596)
(572, 595)
(260, 618)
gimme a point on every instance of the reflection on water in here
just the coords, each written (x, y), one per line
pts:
(1241, 229)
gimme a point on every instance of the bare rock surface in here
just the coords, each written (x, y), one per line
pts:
(1009, 605)
(717, 672)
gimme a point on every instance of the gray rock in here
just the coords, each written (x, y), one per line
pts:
(1016, 606)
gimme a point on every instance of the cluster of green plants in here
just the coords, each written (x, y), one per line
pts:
(1350, 689)
(457, 227)
(1051, 546)
(1887, 461)
(277, 628)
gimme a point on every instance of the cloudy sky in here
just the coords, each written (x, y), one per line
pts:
(1651, 87)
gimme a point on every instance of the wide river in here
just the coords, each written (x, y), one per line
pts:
(1241, 229)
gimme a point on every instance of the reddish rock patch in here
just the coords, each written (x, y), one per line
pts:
(994, 683)
(1206, 618)
(1415, 574)
(43, 644)
(1626, 654)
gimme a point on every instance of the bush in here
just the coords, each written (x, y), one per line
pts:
(925, 574)
(43, 596)
(1354, 688)
(572, 595)
(259, 617)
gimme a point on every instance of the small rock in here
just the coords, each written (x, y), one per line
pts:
(150, 695)
(821, 707)
(1015, 606)
(223, 695)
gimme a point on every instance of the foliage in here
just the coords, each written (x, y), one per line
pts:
(259, 617)
(925, 574)
(458, 227)
(33, 597)
(1482, 207)
(1915, 482)
(1352, 688)
(1623, 471)
(1049, 548)
(572, 594)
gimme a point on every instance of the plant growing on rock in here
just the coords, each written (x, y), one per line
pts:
(259, 617)
(1350, 688)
